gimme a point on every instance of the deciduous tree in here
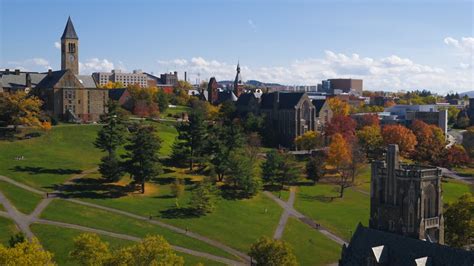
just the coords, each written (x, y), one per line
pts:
(272, 252)
(343, 125)
(89, 249)
(27, 253)
(400, 135)
(430, 142)
(340, 156)
(20, 108)
(308, 141)
(202, 198)
(370, 140)
(459, 216)
(339, 107)
(455, 156)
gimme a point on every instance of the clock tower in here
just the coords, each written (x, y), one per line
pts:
(70, 48)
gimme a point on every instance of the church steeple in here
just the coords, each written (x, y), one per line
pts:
(69, 31)
(70, 48)
(238, 83)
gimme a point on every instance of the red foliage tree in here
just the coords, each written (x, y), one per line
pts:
(367, 120)
(400, 135)
(455, 156)
(343, 125)
(430, 142)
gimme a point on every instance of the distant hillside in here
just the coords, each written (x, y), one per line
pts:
(469, 94)
(255, 83)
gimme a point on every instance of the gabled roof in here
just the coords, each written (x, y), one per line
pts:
(245, 99)
(14, 81)
(318, 103)
(116, 94)
(286, 100)
(400, 250)
(87, 81)
(51, 79)
(69, 31)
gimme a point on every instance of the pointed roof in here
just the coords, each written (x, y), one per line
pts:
(69, 31)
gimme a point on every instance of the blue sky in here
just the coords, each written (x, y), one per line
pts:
(390, 44)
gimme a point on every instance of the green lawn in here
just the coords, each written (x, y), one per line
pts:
(178, 110)
(453, 189)
(465, 171)
(363, 178)
(7, 229)
(59, 241)
(310, 246)
(64, 211)
(51, 158)
(339, 215)
(23, 200)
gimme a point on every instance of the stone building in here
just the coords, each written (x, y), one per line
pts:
(290, 114)
(406, 199)
(66, 94)
(137, 77)
(239, 85)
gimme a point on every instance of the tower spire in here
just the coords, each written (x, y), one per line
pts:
(69, 31)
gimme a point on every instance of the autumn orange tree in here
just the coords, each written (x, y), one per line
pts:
(430, 142)
(400, 135)
(340, 156)
(343, 125)
(20, 108)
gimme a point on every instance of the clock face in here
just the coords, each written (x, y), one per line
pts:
(71, 57)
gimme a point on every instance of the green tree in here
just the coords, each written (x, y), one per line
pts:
(459, 227)
(242, 175)
(202, 198)
(315, 168)
(162, 99)
(280, 167)
(271, 252)
(15, 239)
(177, 189)
(270, 168)
(370, 139)
(191, 140)
(111, 168)
(141, 158)
(89, 249)
(308, 141)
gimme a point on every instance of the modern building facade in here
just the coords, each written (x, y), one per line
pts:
(406, 114)
(338, 86)
(406, 199)
(137, 77)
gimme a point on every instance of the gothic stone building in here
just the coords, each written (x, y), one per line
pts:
(290, 114)
(406, 199)
(66, 94)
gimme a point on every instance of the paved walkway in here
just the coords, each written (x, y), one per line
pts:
(291, 211)
(284, 216)
(451, 174)
(23, 221)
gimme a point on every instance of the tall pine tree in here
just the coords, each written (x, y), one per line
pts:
(190, 143)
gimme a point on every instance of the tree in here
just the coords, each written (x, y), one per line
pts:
(27, 253)
(272, 252)
(339, 107)
(400, 135)
(370, 140)
(368, 120)
(162, 100)
(111, 136)
(315, 168)
(15, 239)
(456, 156)
(20, 108)
(357, 160)
(242, 175)
(270, 168)
(202, 198)
(191, 140)
(142, 162)
(289, 170)
(340, 156)
(459, 227)
(308, 141)
(468, 141)
(89, 249)
(177, 189)
(430, 142)
(343, 125)
(152, 250)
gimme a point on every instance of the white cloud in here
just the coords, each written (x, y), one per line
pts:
(252, 25)
(388, 73)
(95, 65)
(57, 45)
(465, 44)
(30, 64)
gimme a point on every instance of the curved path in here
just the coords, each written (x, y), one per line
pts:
(23, 221)
(310, 222)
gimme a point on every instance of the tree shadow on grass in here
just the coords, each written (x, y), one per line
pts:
(179, 213)
(41, 170)
(91, 188)
(320, 198)
(230, 193)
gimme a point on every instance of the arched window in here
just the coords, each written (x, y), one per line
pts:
(430, 201)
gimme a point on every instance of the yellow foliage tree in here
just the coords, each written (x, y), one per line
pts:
(19, 108)
(113, 85)
(340, 156)
(89, 249)
(308, 141)
(339, 107)
(26, 253)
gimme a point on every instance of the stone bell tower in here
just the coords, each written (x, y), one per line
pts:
(70, 48)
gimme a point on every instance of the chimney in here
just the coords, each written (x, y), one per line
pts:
(50, 72)
(17, 72)
(185, 76)
(7, 71)
(176, 73)
(28, 80)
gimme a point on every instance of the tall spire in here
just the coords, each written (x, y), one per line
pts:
(238, 66)
(69, 31)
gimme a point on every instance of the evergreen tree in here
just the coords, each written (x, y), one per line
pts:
(242, 175)
(162, 100)
(191, 140)
(315, 168)
(110, 168)
(142, 162)
(270, 168)
(279, 168)
(202, 198)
